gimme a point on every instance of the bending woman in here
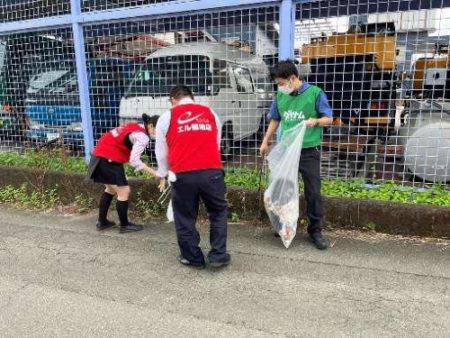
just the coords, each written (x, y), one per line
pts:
(124, 144)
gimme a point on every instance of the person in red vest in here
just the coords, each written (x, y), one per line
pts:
(187, 147)
(124, 144)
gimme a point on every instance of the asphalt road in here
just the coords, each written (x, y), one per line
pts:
(61, 278)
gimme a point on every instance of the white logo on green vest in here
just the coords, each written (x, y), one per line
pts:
(292, 115)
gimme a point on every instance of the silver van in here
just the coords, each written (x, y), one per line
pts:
(234, 83)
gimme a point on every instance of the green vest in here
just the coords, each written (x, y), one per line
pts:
(295, 109)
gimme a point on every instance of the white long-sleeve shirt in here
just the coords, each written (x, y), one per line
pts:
(140, 141)
(162, 127)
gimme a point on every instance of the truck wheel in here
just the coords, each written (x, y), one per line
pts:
(227, 142)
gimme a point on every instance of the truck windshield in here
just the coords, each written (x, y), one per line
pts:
(59, 81)
(158, 75)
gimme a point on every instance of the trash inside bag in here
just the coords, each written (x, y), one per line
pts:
(281, 199)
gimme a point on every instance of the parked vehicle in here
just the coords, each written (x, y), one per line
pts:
(7, 119)
(425, 131)
(425, 137)
(432, 76)
(356, 70)
(234, 83)
(52, 104)
(372, 136)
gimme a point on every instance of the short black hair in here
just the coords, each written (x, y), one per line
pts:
(150, 119)
(284, 69)
(180, 91)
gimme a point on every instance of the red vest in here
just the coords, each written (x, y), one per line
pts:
(192, 139)
(112, 144)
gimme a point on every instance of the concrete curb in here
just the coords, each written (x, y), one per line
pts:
(393, 218)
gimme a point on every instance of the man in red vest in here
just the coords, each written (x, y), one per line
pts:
(187, 144)
(124, 144)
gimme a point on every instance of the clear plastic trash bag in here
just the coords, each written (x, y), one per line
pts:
(281, 199)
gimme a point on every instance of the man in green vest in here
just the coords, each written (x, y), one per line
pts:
(298, 101)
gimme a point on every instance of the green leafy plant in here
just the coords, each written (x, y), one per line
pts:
(49, 159)
(147, 208)
(234, 217)
(84, 203)
(35, 200)
(370, 227)
(243, 178)
(247, 179)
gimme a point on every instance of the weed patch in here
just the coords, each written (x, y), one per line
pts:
(241, 178)
(23, 198)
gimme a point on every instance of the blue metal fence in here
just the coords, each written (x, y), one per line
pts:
(90, 14)
(294, 27)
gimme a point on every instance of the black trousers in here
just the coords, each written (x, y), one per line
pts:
(209, 185)
(310, 170)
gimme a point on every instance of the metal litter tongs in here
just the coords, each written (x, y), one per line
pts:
(166, 193)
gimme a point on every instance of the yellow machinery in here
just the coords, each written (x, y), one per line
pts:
(382, 47)
(356, 70)
(431, 76)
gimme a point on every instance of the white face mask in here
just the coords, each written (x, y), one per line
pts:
(287, 89)
(153, 137)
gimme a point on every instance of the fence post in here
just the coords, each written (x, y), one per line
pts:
(287, 29)
(286, 41)
(83, 82)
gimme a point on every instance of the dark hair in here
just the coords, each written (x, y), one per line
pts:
(284, 70)
(150, 119)
(180, 91)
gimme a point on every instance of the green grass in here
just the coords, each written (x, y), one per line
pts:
(147, 208)
(23, 198)
(249, 179)
(51, 160)
(435, 195)
(84, 203)
(382, 191)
